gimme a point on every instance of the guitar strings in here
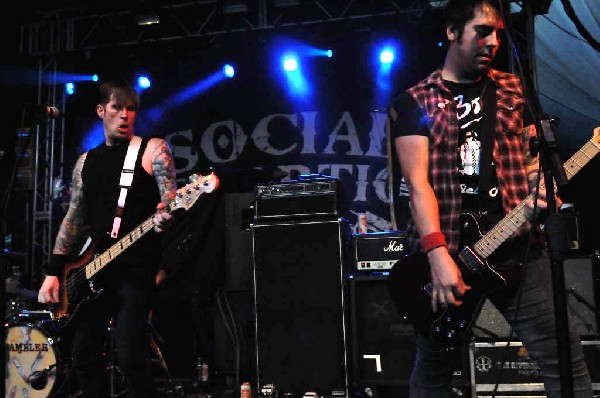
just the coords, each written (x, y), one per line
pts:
(78, 276)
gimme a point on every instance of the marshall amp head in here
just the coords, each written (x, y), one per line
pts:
(376, 251)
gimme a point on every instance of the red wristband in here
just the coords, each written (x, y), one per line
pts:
(432, 240)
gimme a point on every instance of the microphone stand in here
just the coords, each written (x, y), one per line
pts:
(556, 239)
(556, 224)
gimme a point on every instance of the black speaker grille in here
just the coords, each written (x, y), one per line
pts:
(299, 301)
(382, 342)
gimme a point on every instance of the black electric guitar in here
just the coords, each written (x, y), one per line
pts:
(409, 281)
(77, 280)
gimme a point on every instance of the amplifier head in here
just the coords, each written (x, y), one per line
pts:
(378, 250)
(298, 199)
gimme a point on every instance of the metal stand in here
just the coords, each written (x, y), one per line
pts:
(117, 382)
(116, 377)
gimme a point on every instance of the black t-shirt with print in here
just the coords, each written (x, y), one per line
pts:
(469, 109)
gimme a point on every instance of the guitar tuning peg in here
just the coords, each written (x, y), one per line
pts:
(193, 178)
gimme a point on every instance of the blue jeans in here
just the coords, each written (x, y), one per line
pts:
(530, 312)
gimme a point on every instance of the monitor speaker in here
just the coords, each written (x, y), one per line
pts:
(300, 311)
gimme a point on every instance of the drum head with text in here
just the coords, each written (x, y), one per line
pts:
(29, 350)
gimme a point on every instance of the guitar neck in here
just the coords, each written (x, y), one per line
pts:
(516, 218)
(115, 250)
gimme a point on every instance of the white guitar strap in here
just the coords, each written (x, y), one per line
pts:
(125, 182)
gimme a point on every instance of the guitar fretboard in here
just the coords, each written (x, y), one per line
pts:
(115, 250)
(516, 217)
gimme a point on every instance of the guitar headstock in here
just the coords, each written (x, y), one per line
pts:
(187, 195)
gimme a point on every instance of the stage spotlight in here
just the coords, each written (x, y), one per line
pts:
(228, 70)
(143, 82)
(386, 56)
(290, 63)
(95, 78)
(147, 18)
(329, 53)
(70, 88)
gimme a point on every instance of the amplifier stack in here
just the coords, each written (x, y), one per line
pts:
(300, 253)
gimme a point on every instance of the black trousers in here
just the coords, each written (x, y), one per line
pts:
(122, 308)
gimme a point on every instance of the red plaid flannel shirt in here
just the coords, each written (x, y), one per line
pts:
(509, 149)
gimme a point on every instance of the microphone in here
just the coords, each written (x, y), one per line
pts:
(39, 379)
(49, 112)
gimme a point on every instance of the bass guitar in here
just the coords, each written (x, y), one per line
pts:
(409, 281)
(77, 280)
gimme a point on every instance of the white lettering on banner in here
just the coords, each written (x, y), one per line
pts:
(260, 135)
(238, 140)
(226, 141)
(361, 183)
(380, 183)
(186, 153)
(300, 169)
(351, 138)
(309, 132)
(377, 135)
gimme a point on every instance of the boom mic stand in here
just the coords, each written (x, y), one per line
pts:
(556, 224)
(556, 238)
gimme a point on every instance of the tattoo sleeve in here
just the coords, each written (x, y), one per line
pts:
(163, 169)
(74, 224)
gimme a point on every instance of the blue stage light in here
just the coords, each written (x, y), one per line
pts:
(70, 88)
(228, 70)
(386, 56)
(290, 63)
(143, 82)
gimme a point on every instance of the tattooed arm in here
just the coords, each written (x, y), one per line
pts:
(72, 229)
(74, 225)
(163, 170)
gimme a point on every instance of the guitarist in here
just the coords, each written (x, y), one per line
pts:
(130, 279)
(440, 132)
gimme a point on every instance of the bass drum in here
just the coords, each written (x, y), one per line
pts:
(32, 361)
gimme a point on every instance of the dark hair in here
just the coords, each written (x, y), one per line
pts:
(458, 12)
(121, 91)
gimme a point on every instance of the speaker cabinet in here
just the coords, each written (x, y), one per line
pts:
(382, 342)
(300, 304)
(238, 242)
(580, 281)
